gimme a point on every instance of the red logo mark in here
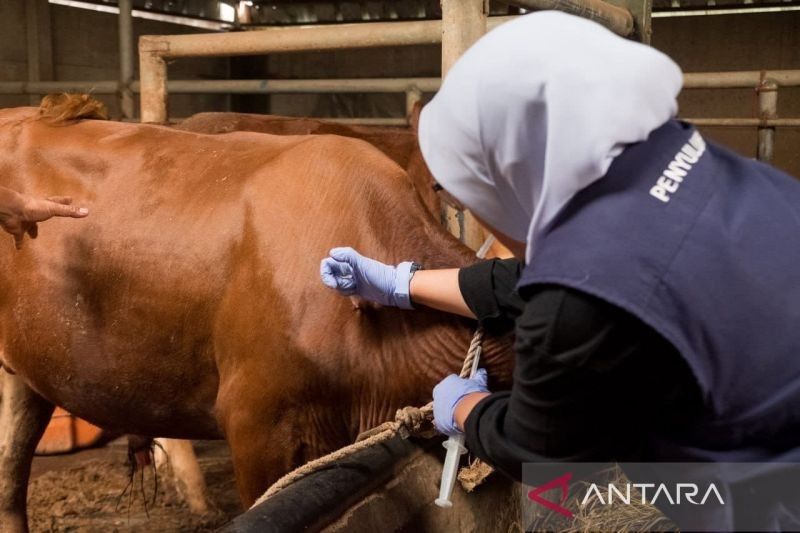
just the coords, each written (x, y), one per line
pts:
(562, 483)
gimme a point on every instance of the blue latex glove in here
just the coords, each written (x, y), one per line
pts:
(350, 273)
(448, 393)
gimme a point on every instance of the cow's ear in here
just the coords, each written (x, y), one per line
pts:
(413, 117)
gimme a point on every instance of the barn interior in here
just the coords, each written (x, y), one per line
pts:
(77, 44)
(741, 59)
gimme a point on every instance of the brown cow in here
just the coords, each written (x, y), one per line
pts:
(189, 304)
(400, 144)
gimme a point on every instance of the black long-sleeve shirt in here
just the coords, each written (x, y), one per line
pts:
(591, 381)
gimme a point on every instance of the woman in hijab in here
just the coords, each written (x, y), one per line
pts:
(656, 295)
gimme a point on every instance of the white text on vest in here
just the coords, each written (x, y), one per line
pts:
(678, 168)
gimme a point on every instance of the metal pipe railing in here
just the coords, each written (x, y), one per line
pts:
(294, 39)
(766, 83)
(126, 58)
(298, 39)
(358, 85)
(701, 80)
(740, 80)
(155, 49)
(745, 122)
(45, 87)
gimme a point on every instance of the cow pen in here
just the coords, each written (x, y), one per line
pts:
(463, 22)
(391, 486)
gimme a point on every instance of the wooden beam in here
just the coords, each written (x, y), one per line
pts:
(615, 18)
(640, 10)
(463, 23)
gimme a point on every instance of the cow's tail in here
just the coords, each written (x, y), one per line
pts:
(66, 107)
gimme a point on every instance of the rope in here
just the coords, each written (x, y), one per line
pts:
(474, 348)
(408, 421)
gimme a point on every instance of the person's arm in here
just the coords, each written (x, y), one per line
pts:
(589, 379)
(20, 213)
(484, 290)
(439, 289)
(489, 290)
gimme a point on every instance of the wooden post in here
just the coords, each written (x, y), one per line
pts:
(152, 81)
(463, 23)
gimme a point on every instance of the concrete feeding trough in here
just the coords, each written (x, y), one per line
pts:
(388, 487)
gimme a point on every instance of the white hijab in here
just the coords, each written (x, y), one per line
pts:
(535, 111)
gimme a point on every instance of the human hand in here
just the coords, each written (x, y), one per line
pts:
(352, 274)
(20, 213)
(448, 393)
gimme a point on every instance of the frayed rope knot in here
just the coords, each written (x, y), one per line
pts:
(415, 421)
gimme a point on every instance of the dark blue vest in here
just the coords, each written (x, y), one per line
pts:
(704, 246)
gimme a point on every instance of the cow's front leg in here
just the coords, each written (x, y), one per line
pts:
(23, 419)
(264, 446)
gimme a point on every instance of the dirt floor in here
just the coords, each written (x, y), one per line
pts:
(84, 492)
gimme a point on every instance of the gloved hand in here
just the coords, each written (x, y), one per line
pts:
(350, 273)
(448, 393)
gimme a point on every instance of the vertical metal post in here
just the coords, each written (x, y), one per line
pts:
(125, 22)
(463, 23)
(767, 109)
(39, 43)
(152, 81)
(32, 38)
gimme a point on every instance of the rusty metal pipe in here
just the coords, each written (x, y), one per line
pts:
(700, 80)
(767, 109)
(295, 39)
(126, 58)
(740, 80)
(358, 85)
(745, 122)
(352, 85)
(46, 87)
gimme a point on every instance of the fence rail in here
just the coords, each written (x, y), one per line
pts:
(765, 83)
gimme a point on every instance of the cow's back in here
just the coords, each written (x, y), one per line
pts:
(399, 144)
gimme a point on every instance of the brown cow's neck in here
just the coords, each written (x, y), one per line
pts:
(443, 348)
(419, 348)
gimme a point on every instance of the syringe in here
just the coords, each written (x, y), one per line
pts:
(455, 449)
